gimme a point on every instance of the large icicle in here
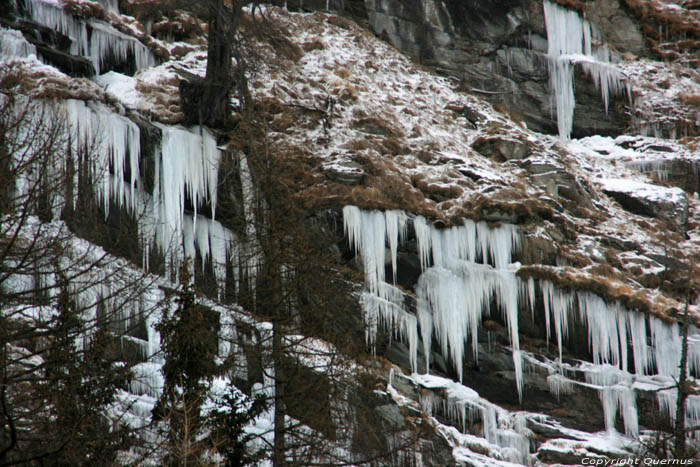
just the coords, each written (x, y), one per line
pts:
(456, 299)
(366, 231)
(188, 169)
(454, 292)
(569, 42)
(115, 141)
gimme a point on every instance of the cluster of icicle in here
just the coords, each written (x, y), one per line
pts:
(463, 406)
(464, 267)
(93, 39)
(186, 167)
(453, 290)
(570, 43)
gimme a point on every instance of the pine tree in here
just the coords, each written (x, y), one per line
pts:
(194, 431)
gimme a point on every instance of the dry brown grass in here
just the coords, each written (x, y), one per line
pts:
(314, 44)
(376, 126)
(85, 9)
(163, 99)
(692, 100)
(180, 26)
(342, 22)
(681, 31)
(609, 288)
(274, 34)
(36, 83)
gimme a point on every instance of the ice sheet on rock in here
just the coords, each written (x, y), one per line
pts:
(559, 385)
(13, 44)
(462, 404)
(122, 87)
(147, 379)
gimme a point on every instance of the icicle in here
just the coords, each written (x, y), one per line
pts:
(100, 42)
(667, 344)
(559, 384)
(366, 231)
(425, 321)
(556, 303)
(569, 39)
(423, 239)
(110, 5)
(694, 350)
(620, 398)
(395, 232)
(602, 322)
(640, 348)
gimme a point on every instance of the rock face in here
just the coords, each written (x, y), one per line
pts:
(649, 200)
(496, 49)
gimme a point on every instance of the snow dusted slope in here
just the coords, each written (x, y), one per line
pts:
(541, 272)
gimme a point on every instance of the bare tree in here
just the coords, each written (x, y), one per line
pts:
(65, 303)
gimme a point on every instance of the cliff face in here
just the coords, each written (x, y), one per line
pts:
(500, 48)
(524, 294)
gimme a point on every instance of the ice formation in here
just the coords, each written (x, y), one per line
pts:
(467, 268)
(186, 170)
(93, 39)
(570, 42)
(451, 294)
(13, 44)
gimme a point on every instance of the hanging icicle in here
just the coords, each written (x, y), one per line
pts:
(569, 42)
(92, 39)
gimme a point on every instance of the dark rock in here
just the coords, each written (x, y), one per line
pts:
(649, 200)
(348, 172)
(566, 457)
(71, 65)
(392, 415)
(501, 148)
(557, 182)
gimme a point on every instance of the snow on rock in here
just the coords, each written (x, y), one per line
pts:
(646, 199)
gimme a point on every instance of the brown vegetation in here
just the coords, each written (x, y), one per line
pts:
(609, 288)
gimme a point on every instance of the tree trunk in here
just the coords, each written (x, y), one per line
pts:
(214, 108)
(679, 429)
(278, 455)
